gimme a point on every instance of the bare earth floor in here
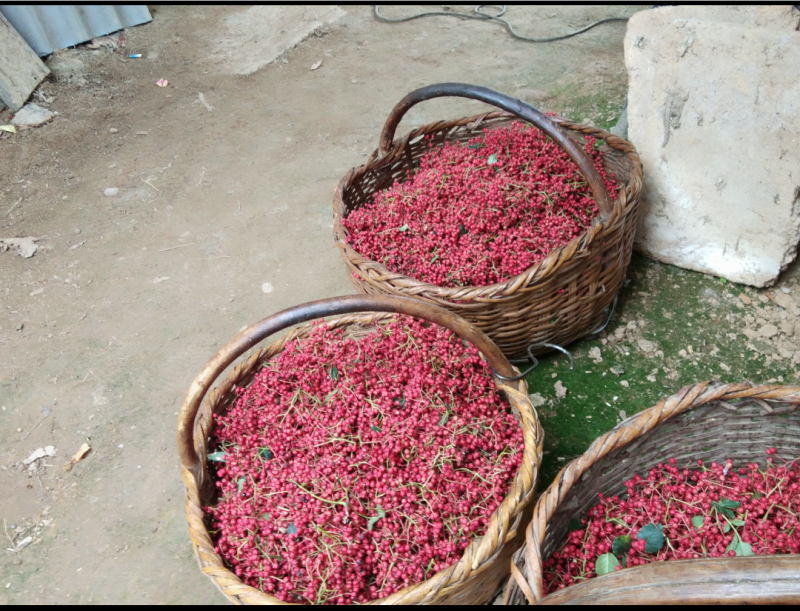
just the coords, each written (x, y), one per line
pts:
(223, 216)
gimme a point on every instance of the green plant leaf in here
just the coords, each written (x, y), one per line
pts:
(265, 453)
(334, 371)
(217, 456)
(726, 529)
(492, 159)
(740, 547)
(737, 522)
(622, 545)
(726, 507)
(653, 536)
(374, 520)
(462, 230)
(291, 529)
(619, 521)
(607, 563)
(698, 521)
(403, 228)
(240, 484)
(375, 428)
(445, 417)
(265, 516)
(574, 525)
(598, 143)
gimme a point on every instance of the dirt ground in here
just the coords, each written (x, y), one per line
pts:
(223, 216)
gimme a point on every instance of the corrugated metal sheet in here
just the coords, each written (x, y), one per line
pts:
(49, 27)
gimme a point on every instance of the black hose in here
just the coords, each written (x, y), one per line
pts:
(497, 18)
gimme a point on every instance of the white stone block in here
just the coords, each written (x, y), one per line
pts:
(714, 111)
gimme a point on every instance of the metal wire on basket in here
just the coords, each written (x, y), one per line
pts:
(610, 310)
(535, 362)
(532, 359)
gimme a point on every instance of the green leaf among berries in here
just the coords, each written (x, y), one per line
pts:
(725, 507)
(607, 563)
(374, 520)
(740, 547)
(653, 536)
(622, 545)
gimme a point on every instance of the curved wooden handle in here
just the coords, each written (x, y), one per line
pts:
(313, 311)
(517, 107)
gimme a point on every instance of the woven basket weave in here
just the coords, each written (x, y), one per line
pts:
(711, 422)
(484, 566)
(563, 297)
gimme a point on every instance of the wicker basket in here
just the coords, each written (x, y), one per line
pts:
(563, 297)
(484, 566)
(699, 422)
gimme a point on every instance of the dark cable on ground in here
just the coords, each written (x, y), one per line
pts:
(496, 18)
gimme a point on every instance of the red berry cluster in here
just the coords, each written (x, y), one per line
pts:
(479, 212)
(674, 514)
(356, 466)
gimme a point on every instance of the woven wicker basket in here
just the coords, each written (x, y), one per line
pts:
(560, 299)
(711, 422)
(484, 566)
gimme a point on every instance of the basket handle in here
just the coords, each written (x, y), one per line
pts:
(516, 107)
(313, 311)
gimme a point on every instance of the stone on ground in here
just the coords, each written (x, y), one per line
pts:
(65, 67)
(714, 111)
(32, 115)
(24, 247)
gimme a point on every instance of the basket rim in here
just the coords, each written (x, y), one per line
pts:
(212, 564)
(540, 270)
(622, 435)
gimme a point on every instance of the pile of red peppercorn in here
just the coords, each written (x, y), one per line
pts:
(352, 467)
(675, 513)
(479, 212)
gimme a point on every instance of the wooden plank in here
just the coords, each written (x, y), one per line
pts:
(21, 70)
(749, 580)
